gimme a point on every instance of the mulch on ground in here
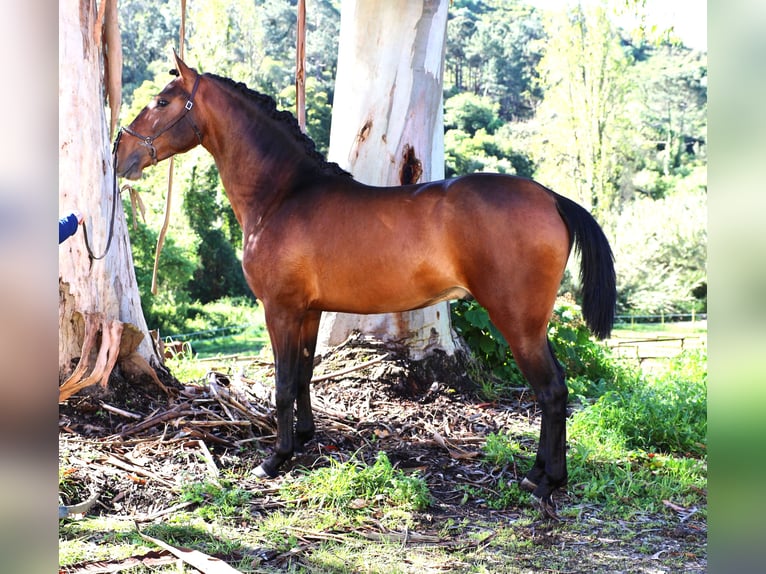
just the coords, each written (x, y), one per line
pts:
(134, 454)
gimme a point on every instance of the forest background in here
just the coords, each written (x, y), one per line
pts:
(614, 118)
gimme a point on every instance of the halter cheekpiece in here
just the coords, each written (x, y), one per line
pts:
(148, 141)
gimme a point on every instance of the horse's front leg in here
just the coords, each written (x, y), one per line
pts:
(284, 330)
(304, 425)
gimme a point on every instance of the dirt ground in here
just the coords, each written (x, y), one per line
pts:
(137, 451)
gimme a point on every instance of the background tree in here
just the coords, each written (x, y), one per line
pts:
(506, 110)
(493, 50)
(671, 93)
(146, 35)
(209, 213)
(582, 115)
(100, 318)
(391, 133)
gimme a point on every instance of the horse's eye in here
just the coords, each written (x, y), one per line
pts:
(162, 103)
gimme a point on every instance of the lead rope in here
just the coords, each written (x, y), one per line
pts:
(115, 194)
(166, 221)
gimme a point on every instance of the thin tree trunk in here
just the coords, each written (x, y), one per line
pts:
(387, 129)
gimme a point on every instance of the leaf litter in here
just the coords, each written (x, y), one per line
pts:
(366, 398)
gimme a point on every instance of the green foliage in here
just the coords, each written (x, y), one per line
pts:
(217, 500)
(472, 323)
(355, 486)
(211, 217)
(318, 111)
(587, 363)
(671, 101)
(665, 412)
(177, 270)
(661, 254)
(641, 442)
(580, 148)
(468, 113)
(493, 49)
(146, 35)
(482, 152)
(500, 449)
(173, 318)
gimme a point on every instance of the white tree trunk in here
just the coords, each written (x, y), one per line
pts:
(100, 315)
(387, 129)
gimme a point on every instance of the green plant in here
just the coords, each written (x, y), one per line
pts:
(216, 500)
(588, 364)
(665, 412)
(354, 486)
(487, 344)
(501, 449)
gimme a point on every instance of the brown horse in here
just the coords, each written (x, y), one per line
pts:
(317, 240)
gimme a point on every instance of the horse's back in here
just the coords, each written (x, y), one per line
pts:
(360, 248)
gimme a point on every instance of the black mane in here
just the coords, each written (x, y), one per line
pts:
(268, 106)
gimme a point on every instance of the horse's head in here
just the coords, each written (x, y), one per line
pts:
(165, 127)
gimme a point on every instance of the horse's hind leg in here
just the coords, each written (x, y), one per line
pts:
(532, 351)
(545, 375)
(537, 473)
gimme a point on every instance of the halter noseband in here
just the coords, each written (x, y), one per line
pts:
(148, 141)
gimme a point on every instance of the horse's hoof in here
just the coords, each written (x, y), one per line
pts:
(547, 507)
(264, 473)
(528, 485)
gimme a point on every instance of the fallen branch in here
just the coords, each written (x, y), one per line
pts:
(157, 514)
(124, 465)
(333, 375)
(454, 452)
(179, 411)
(120, 412)
(214, 472)
(82, 508)
(150, 559)
(199, 560)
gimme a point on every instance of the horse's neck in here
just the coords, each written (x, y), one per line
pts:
(252, 171)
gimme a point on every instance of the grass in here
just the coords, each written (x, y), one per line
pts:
(634, 446)
(251, 340)
(635, 441)
(216, 500)
(673, 328)
(353, 486)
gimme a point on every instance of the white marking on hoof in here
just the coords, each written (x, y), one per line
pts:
(528, 485)
(261, 472)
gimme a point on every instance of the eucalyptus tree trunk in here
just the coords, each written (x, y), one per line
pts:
(101, 323)
(387, 129)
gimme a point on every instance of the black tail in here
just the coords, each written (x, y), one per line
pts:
(599, 290)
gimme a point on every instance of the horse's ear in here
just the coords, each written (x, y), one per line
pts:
(184, 71)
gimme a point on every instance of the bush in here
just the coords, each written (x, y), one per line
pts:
(588, 364)
(661, 254)
(661, 413)
(469, 113)
(175, 318)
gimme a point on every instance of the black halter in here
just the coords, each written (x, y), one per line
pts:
(148, 141)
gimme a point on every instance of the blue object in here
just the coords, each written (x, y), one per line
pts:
(67, 227)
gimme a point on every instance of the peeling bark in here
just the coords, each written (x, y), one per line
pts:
(101, 323)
